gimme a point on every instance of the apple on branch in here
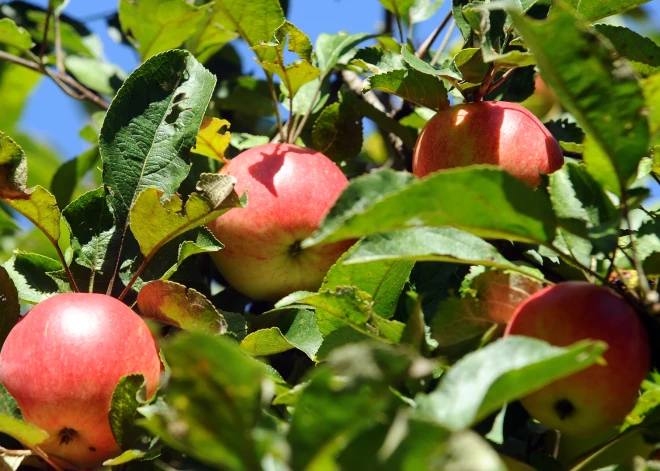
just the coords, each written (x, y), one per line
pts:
(493, 132)
(290, 190)
(596, 399)
(62, 362)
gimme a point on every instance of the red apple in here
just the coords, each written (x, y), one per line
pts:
(593, 400)
(493, 132)
(61, 363)
(290, 190)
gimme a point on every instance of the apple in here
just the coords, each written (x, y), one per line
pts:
(61, 363)
(500, 293)
(593, 400)
(490, 132)
(542, 101)
(290, 190)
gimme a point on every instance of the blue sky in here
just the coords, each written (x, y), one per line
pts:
(56, 118)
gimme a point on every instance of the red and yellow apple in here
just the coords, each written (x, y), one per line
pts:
(596, 399)
(493, 132)
(290, 190)
(62, 362)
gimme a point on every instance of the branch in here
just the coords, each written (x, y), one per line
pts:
(444, 43)
(649, 296)
(68, 84)
(276, 103)
(426, 45)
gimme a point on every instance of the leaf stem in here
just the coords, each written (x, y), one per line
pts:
(428, 42)
(499, 81)
(308, 113)
(276, 103)
(69, 275)
(59, 54)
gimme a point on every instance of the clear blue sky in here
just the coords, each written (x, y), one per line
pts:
(57, 118)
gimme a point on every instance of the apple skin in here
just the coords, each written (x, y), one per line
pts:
(290, 190)
(492, 132)
(61, 363)
(593, 400)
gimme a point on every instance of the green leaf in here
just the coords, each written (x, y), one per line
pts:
(29, 272)
(418, 64)
(423, 10)
(382, 279)
(293, 76)
(579, 199)
(488, 25)
(151, 122)
(204, 370)
(14, 36)
(483, 200)
(244, 141)
(441, 244)
(123, 409)
(155, 223)
(175, 304)
(412, 85)
(482, 382)
(642, 52)
(593, 11)
(280, 330)
(471, 65)
(12, 423)
(398, 7)
(651, 88)
(254, 20)
(13, 168)
(602, 93)
(333, 48)
(103, 77)
(8, 405)
(70, 173)
(159, 25)
(16, 84)
(204, 242)
(347, 305)
(647, 246)
(38, 205)
(212, 34)
(10, 308)
(94, 235)
(337, 132)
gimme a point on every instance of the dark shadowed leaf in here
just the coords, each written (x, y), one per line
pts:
(175, 304)
(412, 85)
(70, 173)
(482, 382)
(29, 272)
(602, 93)
(123, 409)
(483, 200)
(337, 132)
(10, 308)
(642, 52)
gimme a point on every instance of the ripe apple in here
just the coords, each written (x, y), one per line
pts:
(500, 293)
(542, 101)
(491, 132)
(61, 363)
(593, 400)
(290, 190)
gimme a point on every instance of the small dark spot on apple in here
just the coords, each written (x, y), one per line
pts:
(564, 408)
(67, 435)
(91, 448)
(295, 249)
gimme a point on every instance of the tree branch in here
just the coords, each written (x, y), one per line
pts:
(428, 42)
(68, 84)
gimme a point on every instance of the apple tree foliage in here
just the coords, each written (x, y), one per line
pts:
(393, 363)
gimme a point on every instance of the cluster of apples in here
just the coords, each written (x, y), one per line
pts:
(64, 358)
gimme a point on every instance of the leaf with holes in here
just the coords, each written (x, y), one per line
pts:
(212, 141)
(174, 304)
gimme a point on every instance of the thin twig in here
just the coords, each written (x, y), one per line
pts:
(428, 42)
(399, 24)
(499, 81)
(44, 41)
(8, 452)
(83, 93)
(69, 275)
(485, 84)
(308, 113)
(655, 177)
(610, 269)
(643, 281)
(276, 103)
(59, 54)
(443, 44)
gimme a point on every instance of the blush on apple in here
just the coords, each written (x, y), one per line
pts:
(290, 190)
(593, 400)
(61, 363)
(494, 132)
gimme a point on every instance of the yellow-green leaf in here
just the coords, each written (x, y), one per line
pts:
(212, 140)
